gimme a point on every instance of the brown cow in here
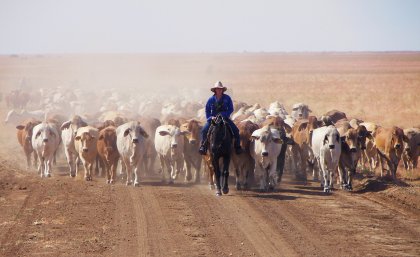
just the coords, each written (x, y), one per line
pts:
(85, 143)
(412, 148)
(331, 117)
(24, 136)
(276, 122)
(244, 163)
(108, 152)
(369, 155)
(191, 145)
(353, 142)
(302, 150)
(389, 144)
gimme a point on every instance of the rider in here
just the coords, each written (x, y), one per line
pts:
(219, 103)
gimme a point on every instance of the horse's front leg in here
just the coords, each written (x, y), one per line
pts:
(226, 161)
(217, 175)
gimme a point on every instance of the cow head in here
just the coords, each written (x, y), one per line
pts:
(174, 133)
(363, 133)
(135, 132)
(332, 138)
(109, 138)
(191, 130)
(351, 138)
(45, 133)
(397, 138)
(300, 111)
(266, 136)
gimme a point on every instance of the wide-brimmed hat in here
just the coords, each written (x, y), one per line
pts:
(218, 84)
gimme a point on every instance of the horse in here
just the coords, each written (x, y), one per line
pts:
(220, 141)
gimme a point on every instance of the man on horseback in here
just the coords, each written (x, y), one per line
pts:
(219, 103)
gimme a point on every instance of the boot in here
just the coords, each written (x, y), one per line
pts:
(203, 148)
(238, 149)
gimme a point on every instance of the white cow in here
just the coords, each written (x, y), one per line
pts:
(68, 133)
(326, 145)
(131, 146)
(277, 109)
(169, 144)
(265, 149)
(45, 141)
(300, 111)
(85, 143)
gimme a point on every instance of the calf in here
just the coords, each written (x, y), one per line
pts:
(389, 144)
(131, 147)
(68, 133)
(85, 143)
(244, 163)
(45, 141)
(302, 150)
(265, 149)
(108, 152)
(326, 146)
(192, 129)
(412, 148)
(169, 144)
(24, 136)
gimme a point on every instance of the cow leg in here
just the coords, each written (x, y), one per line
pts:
(281, 159)
(350, 175)
(107, 172)
(48, 167)
(136, 174)
(86, 167)
(188, 175)
(129, 175)
(35, 159)
(272, 176)
(28, 161)
(197, 168)
(342, 175)
(162, 167)
(112, 172)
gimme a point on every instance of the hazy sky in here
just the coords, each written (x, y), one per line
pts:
(132, 26)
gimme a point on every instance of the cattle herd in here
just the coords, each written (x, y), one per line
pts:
(121, 134)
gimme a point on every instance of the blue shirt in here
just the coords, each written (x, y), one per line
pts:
(223, 106)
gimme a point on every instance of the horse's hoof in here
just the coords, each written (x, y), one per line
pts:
(171, 182)
(218, 193)
(212, 187)
(72, 175)
(238, 187)
(128, 183)
(136, 184)
(327, 190)
(48, 175)
(226, 191)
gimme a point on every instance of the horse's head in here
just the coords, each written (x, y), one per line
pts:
(220, 138)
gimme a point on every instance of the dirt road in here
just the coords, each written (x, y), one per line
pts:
(61, 216)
